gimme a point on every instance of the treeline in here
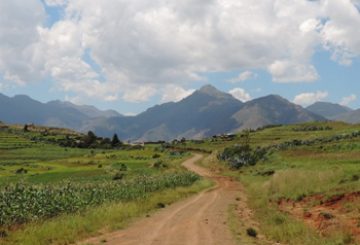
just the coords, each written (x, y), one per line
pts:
(89, 140)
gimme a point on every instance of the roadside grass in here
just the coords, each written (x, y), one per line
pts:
(68, 229)
(281, 227)
(326, 169)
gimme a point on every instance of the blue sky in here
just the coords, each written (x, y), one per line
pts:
(151, 53)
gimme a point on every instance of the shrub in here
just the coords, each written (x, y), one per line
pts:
(160, 205)
(156, 155)
(242, 155)
(160, 164)
(251, 232)
(21, 171)
(118, 176)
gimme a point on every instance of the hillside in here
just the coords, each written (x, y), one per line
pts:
(204, 113)
(328, 110)
(272, 110)
(24, 110)
(349, 117)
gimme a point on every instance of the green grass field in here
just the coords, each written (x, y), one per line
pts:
(305, 166)
(320, 168)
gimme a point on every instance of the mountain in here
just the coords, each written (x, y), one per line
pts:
(204, 113)
(328, 110)
(24, 110)
(349, 117)
(270, 110)
(87, 110)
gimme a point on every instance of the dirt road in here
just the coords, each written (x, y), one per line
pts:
(201, 219)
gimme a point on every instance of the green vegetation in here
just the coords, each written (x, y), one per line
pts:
(305, 165)
(45, 185)
(21, 203)
(312, 162)
(69, 228)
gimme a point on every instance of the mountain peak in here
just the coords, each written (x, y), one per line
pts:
(208, 89)
(213, 92)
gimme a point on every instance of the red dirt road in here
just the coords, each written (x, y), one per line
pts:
(199, 220)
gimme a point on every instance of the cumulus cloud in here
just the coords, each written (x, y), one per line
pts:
(54, 3)
(340, 33)
(348, 99)
(306, 99)
(246, 75)
(18, 38)
(286, 71)
(240, 94)
(140, 47)
(175, 93)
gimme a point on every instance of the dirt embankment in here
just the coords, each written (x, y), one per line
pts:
(328, 215)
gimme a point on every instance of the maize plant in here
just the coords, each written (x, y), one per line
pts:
(21, 203)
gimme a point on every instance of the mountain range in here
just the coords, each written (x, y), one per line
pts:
(204, 113)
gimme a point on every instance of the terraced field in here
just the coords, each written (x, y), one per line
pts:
(42, 182)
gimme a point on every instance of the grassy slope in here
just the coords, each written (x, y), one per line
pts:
(325, 169)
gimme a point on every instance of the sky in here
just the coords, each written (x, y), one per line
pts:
(129, 55)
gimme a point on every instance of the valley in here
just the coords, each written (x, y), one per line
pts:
(298, 184)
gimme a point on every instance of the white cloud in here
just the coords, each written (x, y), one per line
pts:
(348, 99)
(340, 33)
(55, 2)
(240, 94)
(141, 46)
(175, 93)
(18, 36)
(285, 71)
(139, 94)
(246, 75)
(306, 99)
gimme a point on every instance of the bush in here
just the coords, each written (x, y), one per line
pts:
(118, 176)
(160, 164)
(156, 155)
(160, 205)
(251, 232)
(242, 155)
(21, 171)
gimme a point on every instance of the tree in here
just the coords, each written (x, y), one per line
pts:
(115, 141)
(26, 128)
(89, 139)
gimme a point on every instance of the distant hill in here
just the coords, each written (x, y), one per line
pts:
(328, 110)
(204, 113)
(349, 117)
(272, 109)
(88, 110)
(23, 109)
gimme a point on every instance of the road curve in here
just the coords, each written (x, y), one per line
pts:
(198, 220)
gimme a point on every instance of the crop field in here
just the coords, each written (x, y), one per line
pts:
(40, 180)
(302, 182)
(306, 188)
